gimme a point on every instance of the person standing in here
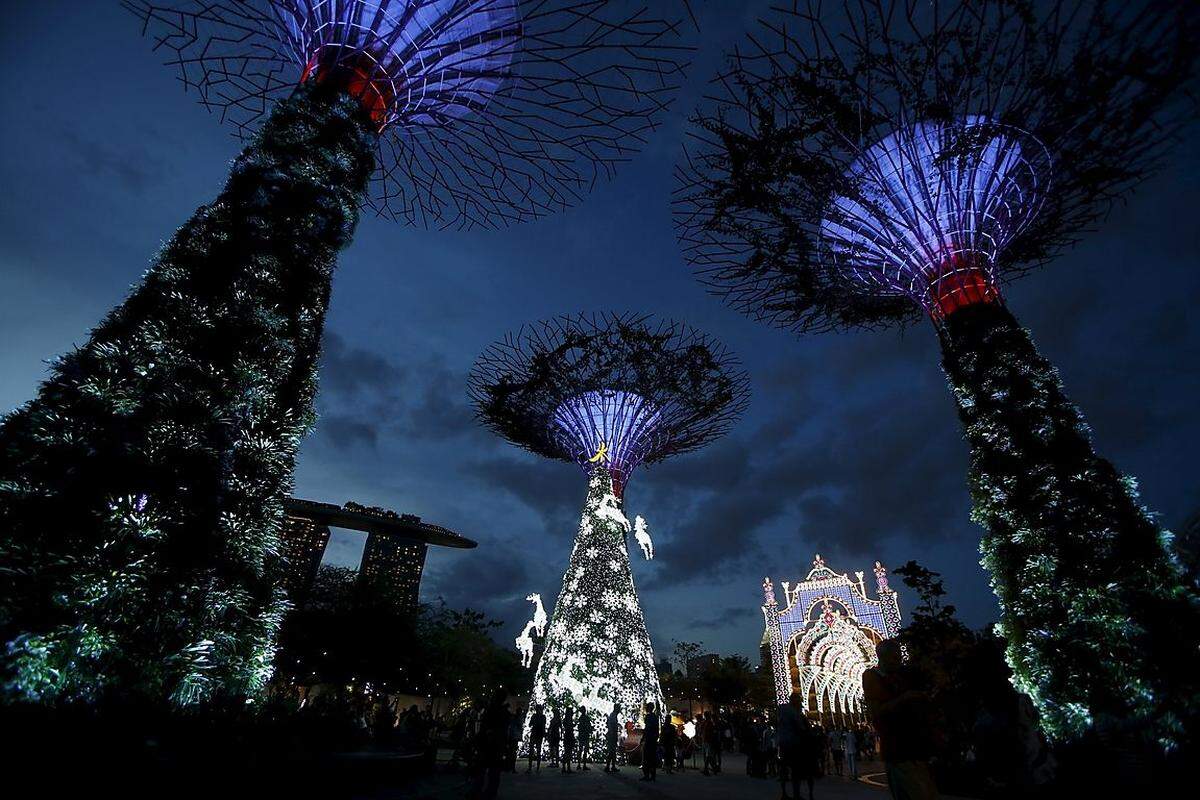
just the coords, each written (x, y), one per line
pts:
(710, 735)
(514, 739)
(837, 748)
(899, 712)
(554, 735)
(537, 733)
(799, 747)
(568, 737)
(491, 748)
(669, 737)
(650, 744)
(610, 740)
(585, 737)
(852, 752)
(770, 750)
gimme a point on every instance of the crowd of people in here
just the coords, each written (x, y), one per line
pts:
(485, 738)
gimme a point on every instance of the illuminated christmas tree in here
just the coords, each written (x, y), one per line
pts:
(868, 163)
(141, 491)
(607, 393)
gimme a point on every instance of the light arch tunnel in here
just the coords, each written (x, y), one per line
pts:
(825, 635)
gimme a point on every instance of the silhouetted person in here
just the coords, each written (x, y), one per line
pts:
(585, 737)
(800, 748)
(514, 739)
(491, 747)
(611, 736)
(710, 737)
(899, 710)
(669, 738)
(553, 736)
(537, 734)
(852, 752)
(650, 744)
(568, 735)
(837, 749)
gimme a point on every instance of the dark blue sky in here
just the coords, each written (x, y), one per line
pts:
(851, 446)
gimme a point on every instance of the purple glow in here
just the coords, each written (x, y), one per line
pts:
(611, 428)
(440, 59)
(932, 205)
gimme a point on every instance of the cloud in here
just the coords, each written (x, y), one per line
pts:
(132, 166)
(554, 490)
(346, 432)
(367, 399)
(727, 617)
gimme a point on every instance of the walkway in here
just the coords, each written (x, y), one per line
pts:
(733, 784)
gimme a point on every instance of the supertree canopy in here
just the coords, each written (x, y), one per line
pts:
(920, 223)
(608, 393)
(866, 163)
(489, 112)
(141, 491)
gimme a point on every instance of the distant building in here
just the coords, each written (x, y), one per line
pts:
(664, 667)
(394, 552)
(823, 634)
(302, 545)
(396, 560)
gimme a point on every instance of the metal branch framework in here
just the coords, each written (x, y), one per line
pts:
(491, 112)
(858, 161)
(610, 389)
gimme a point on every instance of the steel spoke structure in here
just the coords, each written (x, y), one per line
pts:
(490, 112)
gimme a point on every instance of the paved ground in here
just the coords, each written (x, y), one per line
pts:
(732, 784)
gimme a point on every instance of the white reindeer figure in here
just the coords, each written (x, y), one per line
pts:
(539, 613)
(525, 645)
(643, 537)
(609, 510)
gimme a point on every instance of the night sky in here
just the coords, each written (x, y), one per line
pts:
(851, 446)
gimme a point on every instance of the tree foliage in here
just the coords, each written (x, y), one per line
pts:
(1100, 623)
(355, 631)
(141, 491)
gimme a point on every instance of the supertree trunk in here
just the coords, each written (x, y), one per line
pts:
(597, 649)
(140, 492)
(1102, 629)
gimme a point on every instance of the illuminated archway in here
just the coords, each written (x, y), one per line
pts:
(824, 638)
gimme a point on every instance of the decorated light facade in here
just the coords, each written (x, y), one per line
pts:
(825, 635)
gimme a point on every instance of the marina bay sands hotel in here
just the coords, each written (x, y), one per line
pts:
(394, 552)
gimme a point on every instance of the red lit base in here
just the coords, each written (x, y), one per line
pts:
(618, 481)
(361, 79)
(959, 285)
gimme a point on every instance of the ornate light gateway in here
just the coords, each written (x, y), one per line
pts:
(824, 637)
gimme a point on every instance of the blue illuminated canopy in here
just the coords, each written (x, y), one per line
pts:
(437, 59)
(614, 429)
(927, 210)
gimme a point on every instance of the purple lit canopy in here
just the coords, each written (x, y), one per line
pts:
(607, 428)
(440, 58)
(928, 208)
(490, 112)
(859, 162)
(609, 391)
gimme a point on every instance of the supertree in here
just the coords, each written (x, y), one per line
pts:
(608, 393)
(141, 491)
(866, 163)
